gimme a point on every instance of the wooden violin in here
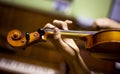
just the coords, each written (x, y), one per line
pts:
(106, 41)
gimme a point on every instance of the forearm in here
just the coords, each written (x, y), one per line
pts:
(73, 58)
(117, 26)
(106, 23)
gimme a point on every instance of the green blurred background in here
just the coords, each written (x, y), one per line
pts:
(87, 8)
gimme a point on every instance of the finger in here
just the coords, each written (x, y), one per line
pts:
(68, 21)
(57, 34)
(61, 24)
(48, 25)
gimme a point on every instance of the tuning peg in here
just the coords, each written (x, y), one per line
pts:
(41, 32)
(27, 36)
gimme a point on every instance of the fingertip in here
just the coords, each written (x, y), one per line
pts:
(48, 25)
(56, 30)
(68, 21)
(54, 21)
(57, 35)
(57, 21)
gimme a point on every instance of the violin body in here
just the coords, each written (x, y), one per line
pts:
(105, 44)
(101, 44)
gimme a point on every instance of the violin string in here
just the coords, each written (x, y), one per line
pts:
(73, 31)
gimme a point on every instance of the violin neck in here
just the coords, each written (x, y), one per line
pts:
(72, 33)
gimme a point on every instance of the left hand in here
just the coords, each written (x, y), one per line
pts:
(65, 43)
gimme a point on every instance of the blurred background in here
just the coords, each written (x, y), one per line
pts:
(42, 57)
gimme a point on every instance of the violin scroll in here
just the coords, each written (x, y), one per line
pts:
(16, 39)
(15, 34)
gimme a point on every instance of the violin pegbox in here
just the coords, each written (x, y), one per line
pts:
(16, 39)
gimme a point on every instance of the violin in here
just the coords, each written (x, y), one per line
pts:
(106, 43)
